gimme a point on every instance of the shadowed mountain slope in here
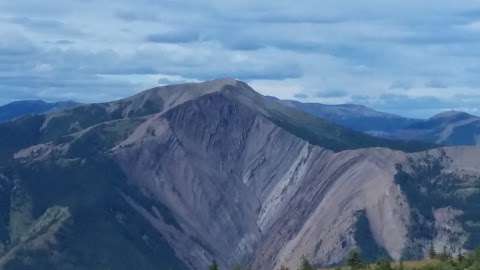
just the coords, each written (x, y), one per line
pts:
(448, 128)
(27, 107)
(356, 117)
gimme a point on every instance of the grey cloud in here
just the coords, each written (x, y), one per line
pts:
(79, 75)
(130, 16)
(401, 85)
(408, 102)
(168, 81)
(332, 93)
(436, 84)
(399, 44)
(46, 25)
(301, 95)
(174, 37)
(64, 42)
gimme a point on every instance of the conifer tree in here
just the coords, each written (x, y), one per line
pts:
(354, 260)
(400, 265)
(383, 265)
(213, 266)
(305, 264)
(432, 253)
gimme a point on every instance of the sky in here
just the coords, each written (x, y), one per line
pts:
(410, 57)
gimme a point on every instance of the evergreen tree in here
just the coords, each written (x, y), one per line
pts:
(400, 265)
(445, 254)
(354, 260)
(213, 266)
(237, 267)
(383, 265)
(460, 256)
(305, 264)
(432, 253)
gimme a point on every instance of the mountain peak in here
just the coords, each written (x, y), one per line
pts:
(192, 89)
(452, 115)
(210, 86)
(220, 83)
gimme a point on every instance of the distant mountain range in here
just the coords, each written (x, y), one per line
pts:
(356, 117)
(179, 176)
(26, 107)
(448, 128)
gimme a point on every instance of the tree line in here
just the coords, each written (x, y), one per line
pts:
(436, 261)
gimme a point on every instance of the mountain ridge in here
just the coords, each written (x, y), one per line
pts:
(221, 174)
(445, 128)
(21, 108)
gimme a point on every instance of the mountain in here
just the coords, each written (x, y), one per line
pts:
(356, 117)
(21, 108)
(178, 176)
(448, 128)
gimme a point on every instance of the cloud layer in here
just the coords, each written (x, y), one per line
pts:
(410, 57)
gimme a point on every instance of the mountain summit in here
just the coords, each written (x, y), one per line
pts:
(178, 176)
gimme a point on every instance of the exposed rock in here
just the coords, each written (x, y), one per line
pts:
(183, 175)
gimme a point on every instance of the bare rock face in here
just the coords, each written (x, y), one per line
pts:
(215, 171)
(250, 192)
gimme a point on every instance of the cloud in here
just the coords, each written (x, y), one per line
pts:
(436, 84)
(45, 25)
(401, 85)
(300, 96)
(64, 42)
(415, 53)
(130, 16)
(174, 37)
(332, 93)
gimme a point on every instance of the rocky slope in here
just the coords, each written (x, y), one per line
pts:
(178, 176)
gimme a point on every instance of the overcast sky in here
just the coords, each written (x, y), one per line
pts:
(410, 57)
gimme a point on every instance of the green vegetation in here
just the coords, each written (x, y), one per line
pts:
(363, 237)
(427, 186)
(442, 261)
(354, 261)
(214, 266)
(17, 135)
(320, 132)
(305, 265)
(104, 231)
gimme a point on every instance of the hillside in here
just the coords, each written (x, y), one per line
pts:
(27, 107)
(178, 176)
(447, 128)
(356, 117)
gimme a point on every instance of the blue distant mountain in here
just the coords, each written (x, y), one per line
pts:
(27, 107)
(447, 128)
